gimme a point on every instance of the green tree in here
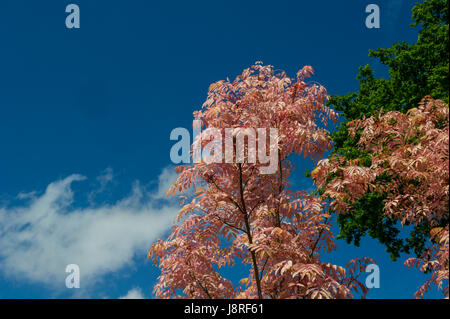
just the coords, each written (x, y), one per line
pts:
(415, 70)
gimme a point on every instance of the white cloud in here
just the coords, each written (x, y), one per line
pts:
(135, 293)
(103, 180)
(40, 237)
(165, 179)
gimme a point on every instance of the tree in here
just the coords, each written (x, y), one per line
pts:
(409, 166)
(238, 214)
(415, 70)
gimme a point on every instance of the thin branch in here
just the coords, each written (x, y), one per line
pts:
(263, 268)
(249, 235)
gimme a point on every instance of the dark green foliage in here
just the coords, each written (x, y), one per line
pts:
(368, 217)
(415, 70)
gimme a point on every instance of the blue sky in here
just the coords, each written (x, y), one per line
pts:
(85, 118)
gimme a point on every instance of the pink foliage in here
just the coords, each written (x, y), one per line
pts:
(239, 215)
(412, 151)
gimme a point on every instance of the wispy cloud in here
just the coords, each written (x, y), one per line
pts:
(42, 235)
(165, 179)
(103, 180)
(135, 293)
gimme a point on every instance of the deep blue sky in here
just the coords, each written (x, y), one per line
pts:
(108, 94)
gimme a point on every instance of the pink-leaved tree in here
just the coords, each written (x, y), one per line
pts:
(410, 162)
(232, 213)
